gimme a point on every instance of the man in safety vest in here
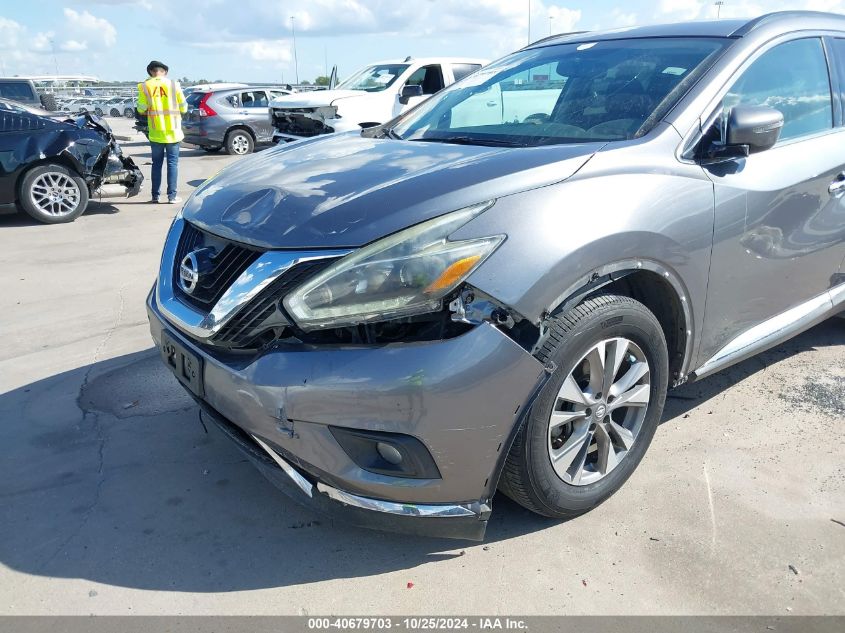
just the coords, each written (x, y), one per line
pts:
(161, 99)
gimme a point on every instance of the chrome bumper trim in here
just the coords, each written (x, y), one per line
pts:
(367, 503)
(290, 471)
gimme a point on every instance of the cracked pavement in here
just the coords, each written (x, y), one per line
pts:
(115, 500)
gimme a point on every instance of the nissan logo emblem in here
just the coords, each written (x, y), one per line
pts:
(189, 272)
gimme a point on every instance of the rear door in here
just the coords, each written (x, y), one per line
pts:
(837, 57)
(256, 107)
(780, 221)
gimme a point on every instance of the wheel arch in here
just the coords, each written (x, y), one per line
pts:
(240, 126)
(656, 286)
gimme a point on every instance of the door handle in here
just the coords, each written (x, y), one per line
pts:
(837, 185)
(492, 104)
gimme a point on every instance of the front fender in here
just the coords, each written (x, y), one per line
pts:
(602, 219)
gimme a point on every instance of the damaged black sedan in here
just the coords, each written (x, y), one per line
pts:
(50, 167)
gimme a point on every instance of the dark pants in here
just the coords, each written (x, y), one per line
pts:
(159, 151)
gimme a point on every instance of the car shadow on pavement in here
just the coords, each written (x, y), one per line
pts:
(108, 474)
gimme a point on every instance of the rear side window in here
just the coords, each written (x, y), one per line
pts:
(249, 99)
(792, 78)
(16, 90)
(462, 70)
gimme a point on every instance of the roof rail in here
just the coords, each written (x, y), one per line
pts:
(775, 16)
(552, 37)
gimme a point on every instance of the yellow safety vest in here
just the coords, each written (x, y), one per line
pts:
(161, 99)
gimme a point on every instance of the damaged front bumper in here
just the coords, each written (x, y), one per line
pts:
(463, 398)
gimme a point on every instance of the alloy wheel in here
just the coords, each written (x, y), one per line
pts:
(55, 193)
(240, 144)
(599, 411)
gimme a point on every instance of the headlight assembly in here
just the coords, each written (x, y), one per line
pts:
(403, 274)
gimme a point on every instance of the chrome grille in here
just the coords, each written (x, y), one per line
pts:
(264, 313)
(229, 260)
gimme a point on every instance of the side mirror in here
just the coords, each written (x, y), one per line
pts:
(758, 127)
(747, 130)
(408, 92)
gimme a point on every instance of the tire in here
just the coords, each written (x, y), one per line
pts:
(35, 189)
(629, 331)
(114, 112)
(239, 142)
(98, 111)
(212, 148)
(48, 102)
(129, 113)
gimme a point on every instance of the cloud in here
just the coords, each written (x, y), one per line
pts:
(83, 31)
(671, 10)
(11, 33)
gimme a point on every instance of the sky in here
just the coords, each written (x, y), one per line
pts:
(251, 40)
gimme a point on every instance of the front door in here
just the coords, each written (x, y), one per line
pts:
(780, 225)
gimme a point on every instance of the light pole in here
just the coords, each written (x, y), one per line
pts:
(295, 58)
(55, 63)
(529, 21)
(719, 4)
(551, 19)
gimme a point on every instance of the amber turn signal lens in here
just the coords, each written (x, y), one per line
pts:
(452, 274)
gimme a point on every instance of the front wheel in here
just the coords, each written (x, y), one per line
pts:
(98, 111)
(53, 194)
(239, 142)
(114, 112)
(593, 421)
(129, 113)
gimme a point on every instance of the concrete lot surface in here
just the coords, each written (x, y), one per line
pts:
(115, 500)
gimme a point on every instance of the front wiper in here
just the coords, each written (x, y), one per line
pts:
(389, 132)
(470, 140)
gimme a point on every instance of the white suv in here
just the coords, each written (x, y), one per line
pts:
(371, 96)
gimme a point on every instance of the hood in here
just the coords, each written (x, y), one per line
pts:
(346, 190)
(315, 98)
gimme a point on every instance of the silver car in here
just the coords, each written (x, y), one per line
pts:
(235, 118)
(495, 290)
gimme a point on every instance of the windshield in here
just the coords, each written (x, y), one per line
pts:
(374, 78)
(569, 93)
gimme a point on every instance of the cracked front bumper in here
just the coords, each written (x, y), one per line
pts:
(461, 397)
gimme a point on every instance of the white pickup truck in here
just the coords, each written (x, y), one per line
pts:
(371, 96)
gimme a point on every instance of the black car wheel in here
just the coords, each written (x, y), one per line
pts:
(114, 112)
(129, 113)
(53, 194)
(592, 423)
(98, 111)
(212, 148)
(239, 142)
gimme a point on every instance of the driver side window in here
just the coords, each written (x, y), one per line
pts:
(792, 78)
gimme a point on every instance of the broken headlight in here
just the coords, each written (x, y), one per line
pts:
(403, 274)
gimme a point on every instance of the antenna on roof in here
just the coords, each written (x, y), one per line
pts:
(409, 59)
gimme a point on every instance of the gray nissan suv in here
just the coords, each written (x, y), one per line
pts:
(495, 290)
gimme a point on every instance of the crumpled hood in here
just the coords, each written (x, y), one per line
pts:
(345, 190)
(315, 98)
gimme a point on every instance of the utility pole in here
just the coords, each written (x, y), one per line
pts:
(55, 63)
(529, 21)
(719, 4)
(326, 61)
(295, 58)
(551, 19)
